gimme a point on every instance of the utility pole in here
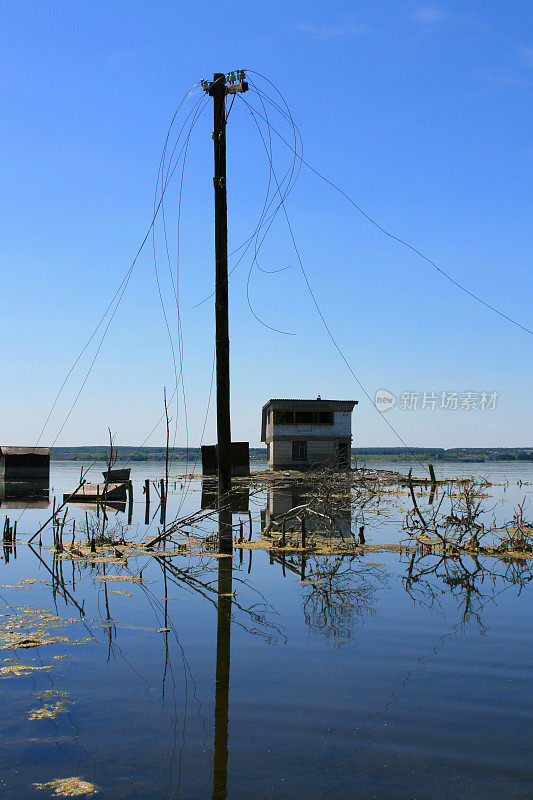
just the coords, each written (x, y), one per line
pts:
(218, 89)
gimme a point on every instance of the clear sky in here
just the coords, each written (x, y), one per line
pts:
(420, 111)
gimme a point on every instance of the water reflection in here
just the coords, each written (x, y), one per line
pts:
(239, 497)
(220, 759)
(473, 582)
(284, 505)
(331, 594)
(337, 591)
(340, 592)
(24, 494)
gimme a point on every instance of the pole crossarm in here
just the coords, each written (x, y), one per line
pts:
(234, 83)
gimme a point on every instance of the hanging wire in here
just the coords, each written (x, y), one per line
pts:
(318, 308)
(111, 308)
(368, 217)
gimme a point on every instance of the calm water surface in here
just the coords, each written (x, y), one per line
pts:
(361, 682)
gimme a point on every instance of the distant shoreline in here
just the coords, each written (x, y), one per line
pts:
(361, 454)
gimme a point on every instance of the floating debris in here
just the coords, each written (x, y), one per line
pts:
(19, 669)
(122, 593)
(69, 787)
(22, 641)
(29, 629)
(50, 710)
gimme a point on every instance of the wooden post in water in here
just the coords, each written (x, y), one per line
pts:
(129, 489)
(147, 507)
(163, 502)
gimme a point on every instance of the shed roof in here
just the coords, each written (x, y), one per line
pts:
(24, 451)
(339, 405)
(302, 405)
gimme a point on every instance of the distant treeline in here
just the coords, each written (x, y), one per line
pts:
(97, 453)
(470, 454)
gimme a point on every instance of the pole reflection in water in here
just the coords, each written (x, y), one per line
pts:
(220, 765)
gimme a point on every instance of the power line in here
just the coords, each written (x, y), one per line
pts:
(318, 309)
(264, 220)
(118, 294)
(196, 111)
(368, 217)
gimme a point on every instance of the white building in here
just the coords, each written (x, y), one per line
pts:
(307, 434)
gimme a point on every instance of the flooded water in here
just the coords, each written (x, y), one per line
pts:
(261, 675)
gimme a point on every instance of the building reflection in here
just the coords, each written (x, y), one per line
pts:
(281, 500)
(240, 497)
(24, 494)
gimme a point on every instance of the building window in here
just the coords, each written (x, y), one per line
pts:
(299, 451)
(283, 417)
(304, 417)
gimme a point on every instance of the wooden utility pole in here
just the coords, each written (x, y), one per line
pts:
(218, 90)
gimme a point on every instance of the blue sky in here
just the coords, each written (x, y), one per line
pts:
(419, 111)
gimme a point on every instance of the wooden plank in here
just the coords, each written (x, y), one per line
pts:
(91, 492)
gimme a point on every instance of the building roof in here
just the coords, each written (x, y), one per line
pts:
(339, 405)
(302, 405)
(24, 451)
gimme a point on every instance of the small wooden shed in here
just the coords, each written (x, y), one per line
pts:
(240, 459)
(25, 464)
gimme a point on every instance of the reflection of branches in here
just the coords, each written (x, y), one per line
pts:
(429, 576)
(257, 613)
(336, 593)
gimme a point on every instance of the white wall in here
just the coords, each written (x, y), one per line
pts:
(318, 452)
